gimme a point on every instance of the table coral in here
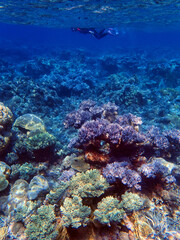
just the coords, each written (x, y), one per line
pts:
(74, 213)
(89, 184)
(109, 211)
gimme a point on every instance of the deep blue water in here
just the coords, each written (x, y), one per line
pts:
(34, 36)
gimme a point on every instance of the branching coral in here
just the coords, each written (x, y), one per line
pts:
(74, 213)
(109, 210)
(89, 184)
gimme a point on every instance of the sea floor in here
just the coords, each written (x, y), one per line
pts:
(90, 144)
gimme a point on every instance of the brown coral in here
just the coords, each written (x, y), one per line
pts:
(92, 156)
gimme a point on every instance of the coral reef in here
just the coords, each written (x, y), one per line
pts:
(38, 186)
(74, 213)
(120, 171)
(88, 185)
(119, 178)
(26, 171)
(32, 138)
(3, 182)
(42, 225)
(109, 211)
(133, 202)
(6, 119)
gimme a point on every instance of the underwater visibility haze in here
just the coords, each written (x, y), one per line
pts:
(89, 120)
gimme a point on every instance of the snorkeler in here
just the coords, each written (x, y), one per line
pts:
(95, 33)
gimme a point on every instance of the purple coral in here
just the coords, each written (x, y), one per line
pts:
(66, 175)
(120, 171)
(173, 137)
(110, 111)
(129, 119)
(91, 130)
(77, 118)
(113, 133)
(87, 104)
(154, 169)
(131, 136)
(157, 139)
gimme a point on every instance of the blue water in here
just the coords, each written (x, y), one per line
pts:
(65, 38)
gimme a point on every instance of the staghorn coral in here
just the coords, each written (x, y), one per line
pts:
(88, 184)
(131, 137)
(74, 213)
(109, 211)
(42, 225)
(89, 111)
(120, 171)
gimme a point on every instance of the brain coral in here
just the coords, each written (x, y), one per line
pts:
(88, 184)
(29, 122)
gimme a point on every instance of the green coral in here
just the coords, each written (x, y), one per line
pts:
(132, 202)
(27, 171)
(74, 213)
(3, 182)
(42, 225)
(40, 140)
(88, 184)
(23, 210)
(35, 144)
(108, 211)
